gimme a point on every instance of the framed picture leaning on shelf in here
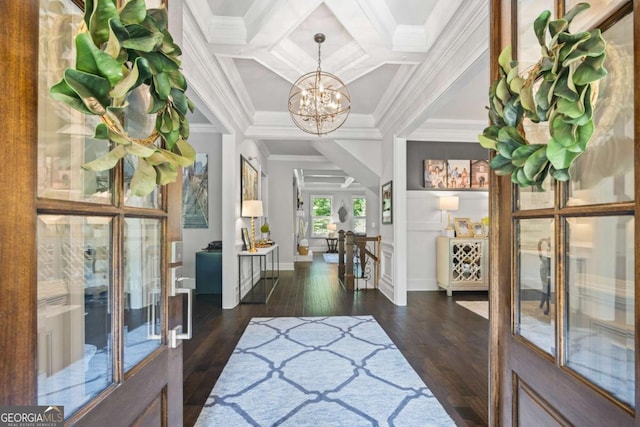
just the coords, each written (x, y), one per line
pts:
(463, 227)
(435, 174)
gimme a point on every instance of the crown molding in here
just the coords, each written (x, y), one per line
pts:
(452, 53)
(202, 128)
(410, 38)
(228, 67)
(448, 130)
(227, 30)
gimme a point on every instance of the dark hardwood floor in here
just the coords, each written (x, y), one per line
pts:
(446, 344)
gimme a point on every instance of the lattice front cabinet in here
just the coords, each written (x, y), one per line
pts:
(461, 264)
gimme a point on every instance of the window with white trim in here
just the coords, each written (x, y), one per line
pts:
(321, 209)
(359, 223)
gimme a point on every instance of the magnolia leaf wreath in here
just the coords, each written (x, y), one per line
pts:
(565, 77)
(118, 51)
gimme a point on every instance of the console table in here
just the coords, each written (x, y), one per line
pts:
(462, 264)
(268, 267)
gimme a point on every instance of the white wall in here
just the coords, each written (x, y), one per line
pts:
(425, 223)
(205, 140)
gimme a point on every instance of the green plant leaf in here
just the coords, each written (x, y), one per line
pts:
(162, 85)
(512, 112)
(516, 84)
(133, 12)
(138, 74)
(569, 43)
(560, 156)
(564, 133)
(505, 59)
(575, 10)
(570, 109)
(560, 174)
(92, 60)
(143, 181)
(521, 154)
(158, 62)
(171, 138)
(177, 80)
(160, 17)
(584, 134)
(565, 87)
(101, 132)
(499, 161)
(540, 27)
(184, 128)
(93, 90)
(176, 159)
(179, 101)
(535, 163)
(98, 24)
(590, 70)
(542, 95)
(186, 150)
(593, 46)
(62, 92)
(487, 142)
(144, 44)
(556, 27)
(166, 173)
(139, 150)
(510, 134)
(502, 91)
(108, 161)
(526, 98)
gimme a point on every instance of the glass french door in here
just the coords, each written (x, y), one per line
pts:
(568, 338)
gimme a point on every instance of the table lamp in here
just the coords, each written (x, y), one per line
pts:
(332, 229)
(252, 208)
(449, 203)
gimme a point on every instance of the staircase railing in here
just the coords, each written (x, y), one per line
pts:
(358, 260)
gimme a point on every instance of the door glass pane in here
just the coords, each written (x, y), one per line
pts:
(535, 309)
(139, 125)
(65, 140)
(142, 289)
(532, 198)
(604, 173)
(600, 302)
(528, 51)
(74, 360)
(592, 16)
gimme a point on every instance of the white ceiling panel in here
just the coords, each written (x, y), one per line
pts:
(411, 12)
(367, 91)
(268, 91)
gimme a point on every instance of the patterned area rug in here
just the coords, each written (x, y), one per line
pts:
(330, 258)
(319, 371)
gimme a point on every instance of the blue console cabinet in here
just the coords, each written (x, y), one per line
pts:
(209, 272)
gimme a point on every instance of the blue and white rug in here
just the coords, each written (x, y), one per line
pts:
(319, 371)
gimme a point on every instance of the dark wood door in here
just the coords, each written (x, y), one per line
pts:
(564, 271)
(86, 308)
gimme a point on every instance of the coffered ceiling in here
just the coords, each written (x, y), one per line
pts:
(414, 68)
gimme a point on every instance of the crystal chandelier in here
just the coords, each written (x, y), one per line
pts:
(319, 102)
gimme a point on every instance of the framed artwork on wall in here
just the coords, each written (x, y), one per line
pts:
(435, 174)
(195, 194)
(248, 181)
(479, 173)
(458, 173)
(387, 199)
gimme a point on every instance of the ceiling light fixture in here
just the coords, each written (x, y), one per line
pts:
(319, 102)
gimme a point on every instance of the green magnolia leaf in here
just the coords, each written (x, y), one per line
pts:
(560, 174)
(502, 91)
(184, 128)
(560, 156)
(540, 26)
(535, 163)
(139, 73)
(508, 134)
(101, 132)
(556, 28)
(505, 170)
(590, 70)
(570, 109)
(186, 150)
(143, 181)
(575, 10)
(92, 60)
(486, 142)
(98, 23)
(160, 17)
(584, 134)
(565, 88)
(108, 161)
(93, 90)
(177, 80)
(176, 159)
(171, 138)
(521, 154)
(499, 161)
(179, 101)
(516, 84)
(158, 62)
(113, 47)
(542, 95)
(62, 92)
(162, 85)
(505, 59)
(593, 46)
(139, 150)
(133, 12)
(564, 133)
(569, 43)
(144, 44)
(166, 173)
(512, 112)
(526, 98)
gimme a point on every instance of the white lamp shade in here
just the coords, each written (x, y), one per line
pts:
(449, 203)
(332, 227)
(252, 208)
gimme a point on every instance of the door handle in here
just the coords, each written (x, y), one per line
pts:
(177, 333)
